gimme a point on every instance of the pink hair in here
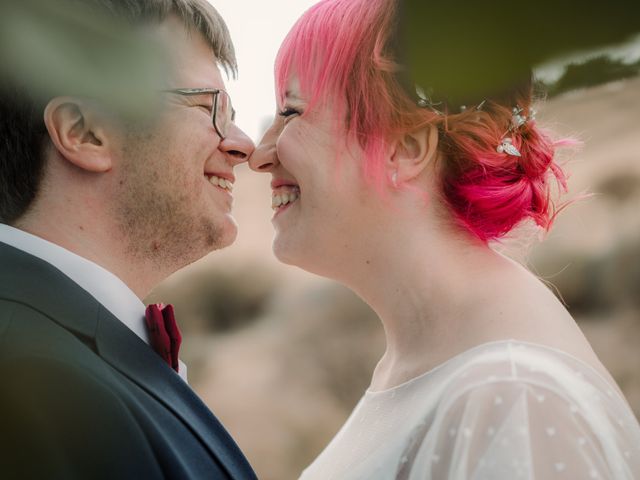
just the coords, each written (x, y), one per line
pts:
(342, 51)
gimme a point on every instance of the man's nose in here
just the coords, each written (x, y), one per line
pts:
(237, 145)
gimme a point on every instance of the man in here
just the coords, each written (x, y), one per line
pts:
(95, 211)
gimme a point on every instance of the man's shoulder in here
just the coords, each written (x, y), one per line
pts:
(40, 358)
(27, 333)
(20, 318)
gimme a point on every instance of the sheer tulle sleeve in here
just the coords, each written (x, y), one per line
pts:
(506, 428)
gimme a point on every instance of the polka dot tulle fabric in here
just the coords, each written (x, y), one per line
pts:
(505, 410)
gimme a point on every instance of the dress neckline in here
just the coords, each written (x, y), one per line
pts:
(401, 386)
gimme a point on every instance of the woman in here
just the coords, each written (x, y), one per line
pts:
(485, 374)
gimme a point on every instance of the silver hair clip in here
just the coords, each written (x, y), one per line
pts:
(463, 108)
(424, 101)
(507, 147)
(517, 120)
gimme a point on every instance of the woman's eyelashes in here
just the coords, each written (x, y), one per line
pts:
(288, 112)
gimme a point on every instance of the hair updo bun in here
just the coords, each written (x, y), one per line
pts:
(491, 192)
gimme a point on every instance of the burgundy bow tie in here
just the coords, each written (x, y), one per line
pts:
(163, 331)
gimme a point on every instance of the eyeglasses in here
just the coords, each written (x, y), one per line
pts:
(222, 112)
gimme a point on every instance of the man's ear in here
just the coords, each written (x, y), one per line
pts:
(77, 134)
(412, 153)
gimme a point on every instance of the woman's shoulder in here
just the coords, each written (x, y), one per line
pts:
(544, 384)
(519, 359)
(516, 364)
(518, 405)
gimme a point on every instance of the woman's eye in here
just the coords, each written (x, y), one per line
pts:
(288, 112)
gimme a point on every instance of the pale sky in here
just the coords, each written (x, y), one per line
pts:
(257, 29)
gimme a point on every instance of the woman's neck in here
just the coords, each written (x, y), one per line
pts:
(436, 294)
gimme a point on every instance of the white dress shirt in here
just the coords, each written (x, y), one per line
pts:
(104, 286)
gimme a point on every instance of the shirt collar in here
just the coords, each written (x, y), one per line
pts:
(101, 284)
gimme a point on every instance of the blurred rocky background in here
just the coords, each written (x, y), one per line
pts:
(282, 356)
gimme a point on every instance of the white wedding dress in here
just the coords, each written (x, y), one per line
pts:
(504, 410)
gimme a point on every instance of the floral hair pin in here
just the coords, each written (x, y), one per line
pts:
(517, 121)
(507, 147)
(424, 100)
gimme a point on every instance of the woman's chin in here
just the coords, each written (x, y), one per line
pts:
(291, 251)
(307, 259)
(283, 250)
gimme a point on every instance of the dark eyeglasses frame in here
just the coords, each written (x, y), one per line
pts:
(221, 130)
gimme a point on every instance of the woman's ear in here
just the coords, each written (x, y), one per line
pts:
(412, 153)
(77, 133)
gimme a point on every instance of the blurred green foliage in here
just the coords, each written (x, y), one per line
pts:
(464, 50)
(63, 47)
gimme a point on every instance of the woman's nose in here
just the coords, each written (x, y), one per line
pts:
(265, 157)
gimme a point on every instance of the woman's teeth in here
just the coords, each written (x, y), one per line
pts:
(282, 199)
(221, 182)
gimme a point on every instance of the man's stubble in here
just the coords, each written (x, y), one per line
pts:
(155, 206)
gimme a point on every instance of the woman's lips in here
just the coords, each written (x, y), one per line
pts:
(283, 182)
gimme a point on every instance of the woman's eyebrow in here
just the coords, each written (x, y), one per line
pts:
(292, 95)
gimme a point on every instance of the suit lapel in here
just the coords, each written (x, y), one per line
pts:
(122, 350)
(29, 280)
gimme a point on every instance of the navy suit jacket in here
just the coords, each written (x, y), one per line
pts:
(83, 397)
